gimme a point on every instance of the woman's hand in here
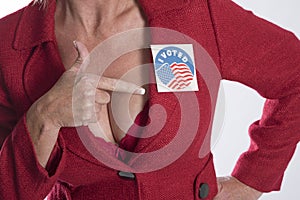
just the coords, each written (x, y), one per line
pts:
(77, 96)
(232, 189)
(73, 101)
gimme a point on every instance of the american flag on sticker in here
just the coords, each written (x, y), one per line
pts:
(174, 68)
(177, 76)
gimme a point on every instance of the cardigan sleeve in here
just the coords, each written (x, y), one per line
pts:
(266, 58)
(21, 175)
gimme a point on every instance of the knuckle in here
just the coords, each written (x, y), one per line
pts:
(87, 93)
(102, 97)
(84, 80)
(87, 103)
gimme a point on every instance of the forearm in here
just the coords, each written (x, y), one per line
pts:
(42, 131)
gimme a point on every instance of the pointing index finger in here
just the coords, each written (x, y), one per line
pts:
(117, 85)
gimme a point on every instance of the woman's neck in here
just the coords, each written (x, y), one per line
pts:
(90, 15)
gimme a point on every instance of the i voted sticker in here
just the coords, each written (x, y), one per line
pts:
(174, 67)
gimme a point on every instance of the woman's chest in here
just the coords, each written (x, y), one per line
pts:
(108, 58)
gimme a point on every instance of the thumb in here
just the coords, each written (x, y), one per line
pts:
(221, 181)
(82, 52)
(220, 186)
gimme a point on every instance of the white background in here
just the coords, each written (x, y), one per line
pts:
(243, 105)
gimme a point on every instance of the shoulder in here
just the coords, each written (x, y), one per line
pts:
(11, 60)
(8, 26)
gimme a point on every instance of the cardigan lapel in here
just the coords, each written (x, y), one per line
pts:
(156, 135)
(35, 36)
(36, 26)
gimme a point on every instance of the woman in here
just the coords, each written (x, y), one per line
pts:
(40, 62)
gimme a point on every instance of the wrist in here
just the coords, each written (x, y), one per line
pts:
(43, 133)
(38, 120)
(254, 194)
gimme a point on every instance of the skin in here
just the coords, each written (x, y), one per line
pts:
(232, 189)
(91, 22)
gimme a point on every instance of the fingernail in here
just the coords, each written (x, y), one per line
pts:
(140, 91)
(75, 44)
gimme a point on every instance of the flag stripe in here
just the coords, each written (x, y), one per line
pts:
(176, 76)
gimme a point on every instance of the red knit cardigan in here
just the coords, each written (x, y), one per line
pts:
(244, 47)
